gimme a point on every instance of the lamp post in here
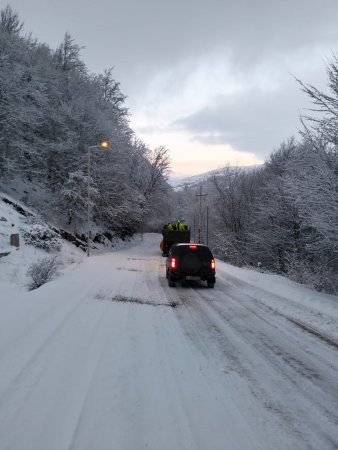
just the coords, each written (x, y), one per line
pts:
(100, 144)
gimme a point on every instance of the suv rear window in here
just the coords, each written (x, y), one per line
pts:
(202, 251)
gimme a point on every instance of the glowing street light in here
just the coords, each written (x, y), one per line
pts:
(101, 144)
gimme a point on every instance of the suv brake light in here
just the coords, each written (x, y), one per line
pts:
(193, 246)
(173, 263)
(212, 264)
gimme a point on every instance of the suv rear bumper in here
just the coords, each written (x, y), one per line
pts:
(177, 276)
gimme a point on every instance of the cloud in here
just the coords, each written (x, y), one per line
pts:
(142, 38)
(215, 103)
(190, 156)
(218, 71)
(261, 112)
(162, 34)
(254, 121)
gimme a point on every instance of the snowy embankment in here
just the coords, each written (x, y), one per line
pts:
(14, 266)
(293, 300)
(17, 218)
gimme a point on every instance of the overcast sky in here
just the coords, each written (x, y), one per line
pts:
(212, 80)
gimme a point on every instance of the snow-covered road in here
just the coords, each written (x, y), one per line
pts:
(108, 357)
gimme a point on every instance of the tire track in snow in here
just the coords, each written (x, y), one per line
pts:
(227, 416)
(30, 367)
(30, 359)
(17, 392)
(274, 318)
(234, 283)
(276, 347)
(54, 425)
(217, 321)
(102, 327)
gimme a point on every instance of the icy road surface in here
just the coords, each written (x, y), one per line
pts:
(108, 357)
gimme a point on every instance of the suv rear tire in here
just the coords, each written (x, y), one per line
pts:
(171, 283)
(211, 284)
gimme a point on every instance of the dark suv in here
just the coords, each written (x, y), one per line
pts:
(190, 262)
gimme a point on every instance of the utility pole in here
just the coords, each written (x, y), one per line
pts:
(207, 224)
(101, 144)
(200, 195)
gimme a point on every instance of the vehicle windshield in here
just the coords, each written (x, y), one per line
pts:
(202, 251)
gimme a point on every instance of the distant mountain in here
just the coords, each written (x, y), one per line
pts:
(179, 182)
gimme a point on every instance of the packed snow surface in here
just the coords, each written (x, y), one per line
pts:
(106, 356)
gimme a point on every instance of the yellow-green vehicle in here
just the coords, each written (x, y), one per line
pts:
(174, 234)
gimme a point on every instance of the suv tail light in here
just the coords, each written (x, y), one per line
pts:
(172, 263)
(212, 264)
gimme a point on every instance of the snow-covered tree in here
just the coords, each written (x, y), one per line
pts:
(52, 113)
(9, 21)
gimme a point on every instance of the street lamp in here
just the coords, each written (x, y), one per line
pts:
(100, 144)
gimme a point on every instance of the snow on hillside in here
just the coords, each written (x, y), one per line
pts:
(13, 267)
(17, 218)
(179, 182)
